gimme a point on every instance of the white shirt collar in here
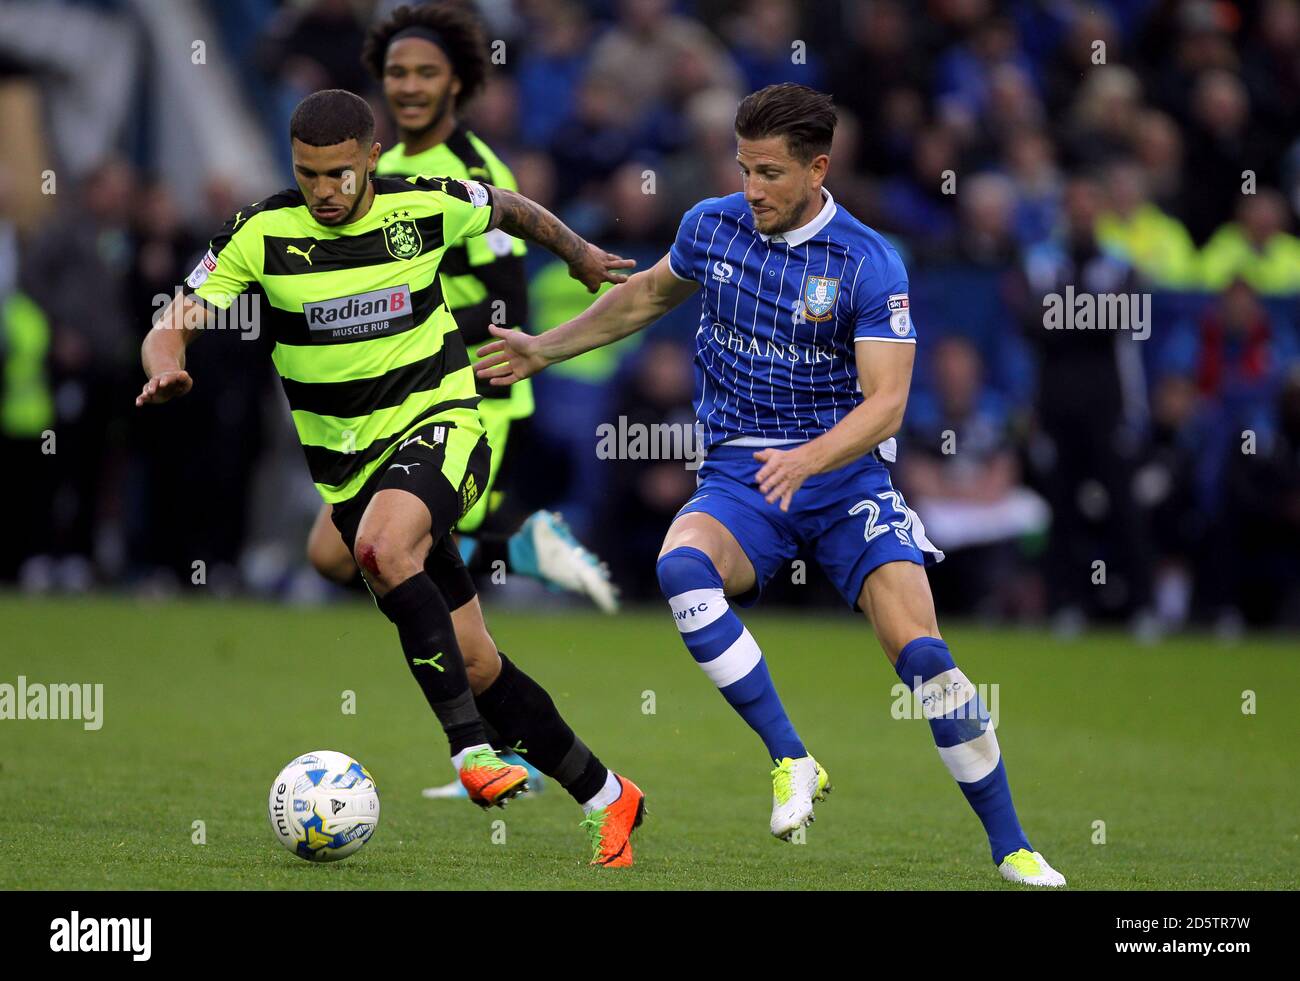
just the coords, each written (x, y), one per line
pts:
(797, 236)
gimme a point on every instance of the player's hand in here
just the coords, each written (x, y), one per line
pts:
(164, 387)
(511, 358)
(596, 266)
(783, 472)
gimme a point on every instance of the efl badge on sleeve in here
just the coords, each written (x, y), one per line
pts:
(819, 294)
(478, 194)
(200, 274)
(900, 317)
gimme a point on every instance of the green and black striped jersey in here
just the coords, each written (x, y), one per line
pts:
(364, 343)
(483, 277)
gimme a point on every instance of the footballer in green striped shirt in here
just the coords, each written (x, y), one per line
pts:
(431, 60)
(343, 272)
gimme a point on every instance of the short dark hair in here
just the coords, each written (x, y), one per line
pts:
(804, 116)
(455, 22)
(333, 116)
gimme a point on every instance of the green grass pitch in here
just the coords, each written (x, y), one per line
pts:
(205, 701)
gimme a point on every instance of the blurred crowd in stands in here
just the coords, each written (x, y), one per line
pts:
(1011, 151)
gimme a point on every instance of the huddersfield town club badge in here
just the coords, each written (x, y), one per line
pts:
(819, 295)
(402, 237)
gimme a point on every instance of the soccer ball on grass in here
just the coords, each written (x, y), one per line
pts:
(324, 806)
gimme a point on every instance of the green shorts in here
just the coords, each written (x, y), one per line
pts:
(497, 427)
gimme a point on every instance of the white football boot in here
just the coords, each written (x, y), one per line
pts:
(796, 784)
(1031, 869)
(544, 548)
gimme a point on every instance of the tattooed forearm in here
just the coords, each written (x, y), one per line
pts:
(524, 218)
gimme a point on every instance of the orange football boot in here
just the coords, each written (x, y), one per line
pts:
(610, 828)
(489, 782)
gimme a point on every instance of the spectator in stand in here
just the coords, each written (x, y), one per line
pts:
(960, 471)
(1013, 107)
(878, 76)
(762, 40)
(638, 58)
(1030, 161)
(77, 268)
(642, 495)
(1159, 149)
(985, 234)
(1181, 42)
(1168, 484)
(964, 75)
(1241, 353)
(535, 174)
(706, 166)
(1092, 35)
(1155, 244)
(597, 139)
(1103, 120)
(1256, 247)
(493, 115)
(914, 205)
(210, 439)
(853, 191)
(317, 43)
(163, 249)
(1271, 66)
(578, 393)
(1257, 556)
(308, 47)
(552, 68)
(26, 405)
(1089, 413)
(1222, 146)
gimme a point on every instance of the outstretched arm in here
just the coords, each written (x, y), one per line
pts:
(524, 218)
(624, 310)
(163, 351)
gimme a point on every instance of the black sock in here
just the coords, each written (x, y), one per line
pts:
(494, 738)
(424, 625)
(527, 718)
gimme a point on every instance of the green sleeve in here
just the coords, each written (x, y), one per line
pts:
(225, 270)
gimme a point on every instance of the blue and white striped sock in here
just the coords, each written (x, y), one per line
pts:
(964, 734)
(725, 650)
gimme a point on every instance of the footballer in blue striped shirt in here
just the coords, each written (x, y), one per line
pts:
(803, 360)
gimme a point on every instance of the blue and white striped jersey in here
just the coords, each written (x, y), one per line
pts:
(779, 317)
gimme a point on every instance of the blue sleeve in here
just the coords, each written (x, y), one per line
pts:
(681, 257)
(881, 308)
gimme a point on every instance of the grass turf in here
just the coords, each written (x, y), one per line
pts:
(205, 701)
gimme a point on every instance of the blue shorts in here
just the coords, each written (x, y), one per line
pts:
(851, 520)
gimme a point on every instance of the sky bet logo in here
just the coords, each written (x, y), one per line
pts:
(360, 316)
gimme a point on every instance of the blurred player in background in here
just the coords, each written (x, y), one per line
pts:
(343, 272)
(431, 61)
(803, 363)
